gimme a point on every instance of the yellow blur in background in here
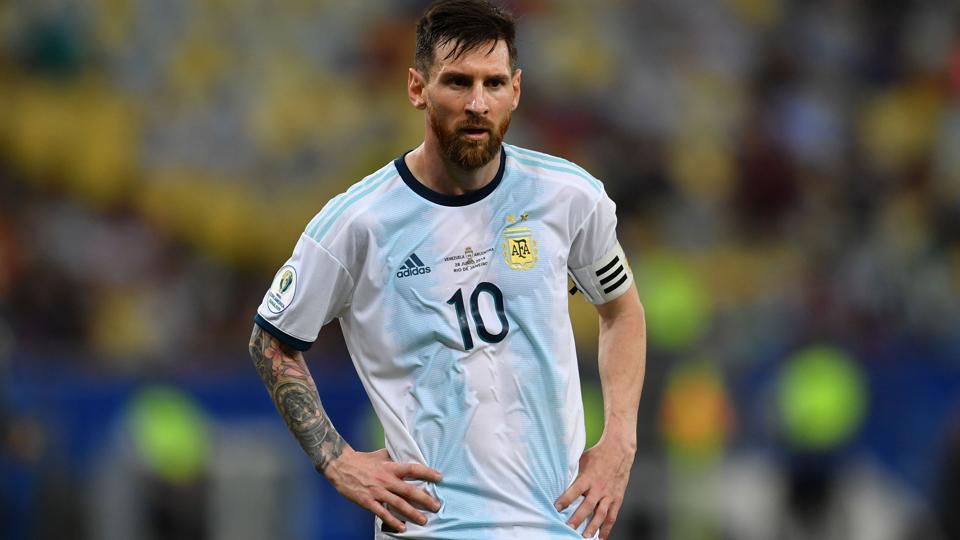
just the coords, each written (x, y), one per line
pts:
(788, 188)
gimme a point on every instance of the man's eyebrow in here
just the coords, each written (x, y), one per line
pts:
(455, 75)
(447, 75)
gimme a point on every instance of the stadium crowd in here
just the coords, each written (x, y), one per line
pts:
(787, 176)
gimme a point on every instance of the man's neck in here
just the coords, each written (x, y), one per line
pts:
(432, 169)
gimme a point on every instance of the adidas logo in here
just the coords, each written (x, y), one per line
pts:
(413, 267)
(610, 272)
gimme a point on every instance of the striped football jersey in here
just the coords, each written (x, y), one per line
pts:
(454, 310)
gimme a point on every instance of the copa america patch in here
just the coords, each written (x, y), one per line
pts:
(283, 288)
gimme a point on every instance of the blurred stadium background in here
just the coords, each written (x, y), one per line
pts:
(788, 181)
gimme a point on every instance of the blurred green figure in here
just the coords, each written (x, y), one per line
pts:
(821, 398)
(170, 432)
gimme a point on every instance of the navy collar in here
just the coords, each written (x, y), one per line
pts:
(443, 198)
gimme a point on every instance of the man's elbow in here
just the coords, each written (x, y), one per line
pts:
(255, 347)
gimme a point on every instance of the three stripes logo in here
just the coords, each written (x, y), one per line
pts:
(612, 275)
(413, 267)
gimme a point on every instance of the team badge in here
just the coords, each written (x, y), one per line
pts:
(519, 248)
(283, 288)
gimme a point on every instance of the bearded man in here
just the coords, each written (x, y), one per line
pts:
(448, 271)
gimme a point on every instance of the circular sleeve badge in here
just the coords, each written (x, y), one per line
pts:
(283, 288)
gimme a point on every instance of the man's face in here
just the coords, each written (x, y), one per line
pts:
(469, 101)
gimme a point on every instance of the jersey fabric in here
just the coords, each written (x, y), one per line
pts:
(454, 310)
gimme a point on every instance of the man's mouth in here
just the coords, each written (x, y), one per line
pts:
(474, 131)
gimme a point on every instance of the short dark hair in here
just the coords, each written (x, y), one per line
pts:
(468, 24)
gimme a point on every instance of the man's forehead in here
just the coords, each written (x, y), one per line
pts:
(487, 56)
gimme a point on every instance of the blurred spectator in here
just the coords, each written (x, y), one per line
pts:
(786, 173)
(947, 497)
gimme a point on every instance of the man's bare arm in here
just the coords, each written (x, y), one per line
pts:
(371, 480)
(293, 391)
(605, 468)
(622, 359)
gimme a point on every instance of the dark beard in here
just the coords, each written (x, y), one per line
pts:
(466, 154)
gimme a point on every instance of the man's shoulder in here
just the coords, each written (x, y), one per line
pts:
(342, 211)
(553, 169)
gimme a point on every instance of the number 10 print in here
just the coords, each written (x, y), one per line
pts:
(457, 301)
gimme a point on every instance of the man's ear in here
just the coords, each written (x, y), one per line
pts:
(415, 86)
(516, 88)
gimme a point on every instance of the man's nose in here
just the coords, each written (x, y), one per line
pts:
(477, 103)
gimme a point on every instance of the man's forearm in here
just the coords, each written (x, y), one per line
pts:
(622, 363)
(288, 381)
(605, 468)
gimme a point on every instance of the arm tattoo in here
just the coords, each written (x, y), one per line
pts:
(290, 385)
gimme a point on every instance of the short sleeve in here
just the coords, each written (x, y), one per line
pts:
(596, 261)
(308, 291)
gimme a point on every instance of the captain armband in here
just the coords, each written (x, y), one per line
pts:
(606, 279)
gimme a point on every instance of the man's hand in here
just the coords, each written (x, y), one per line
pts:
(373, 480)
(604, 471)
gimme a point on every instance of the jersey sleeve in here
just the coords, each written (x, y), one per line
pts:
(308, 291)
(596, 261)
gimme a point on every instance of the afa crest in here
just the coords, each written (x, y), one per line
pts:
(519, 248)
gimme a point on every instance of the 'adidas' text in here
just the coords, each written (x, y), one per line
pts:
(413, 267)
